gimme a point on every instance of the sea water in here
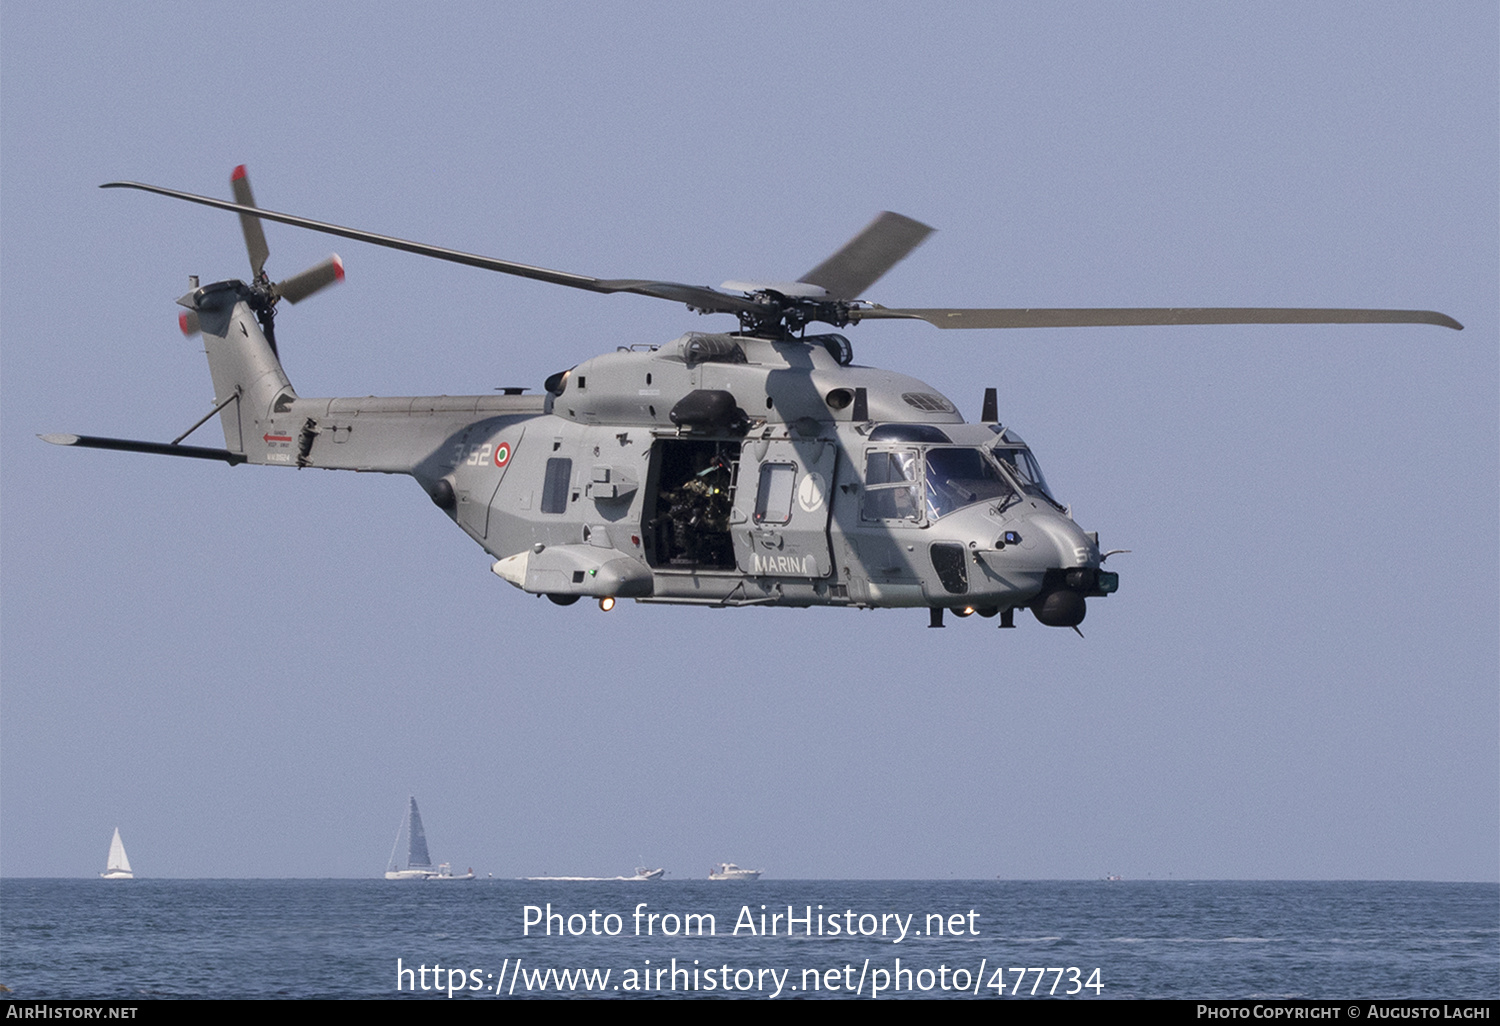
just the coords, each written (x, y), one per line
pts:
(853, 940)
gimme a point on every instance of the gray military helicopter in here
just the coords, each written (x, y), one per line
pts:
(760, 467)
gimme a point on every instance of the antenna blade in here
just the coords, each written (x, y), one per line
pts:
(867, 256)
(319, 276)
(1143, 316)
(990, 414)
(255, 235)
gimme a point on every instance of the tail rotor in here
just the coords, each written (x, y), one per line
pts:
(265, 293)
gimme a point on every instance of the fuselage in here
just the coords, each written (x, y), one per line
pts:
(719, 470)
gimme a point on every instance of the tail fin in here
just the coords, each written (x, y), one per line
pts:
(249, 382)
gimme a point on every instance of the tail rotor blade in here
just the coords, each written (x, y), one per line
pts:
(255, 235)
(319, 276)
(187, 322)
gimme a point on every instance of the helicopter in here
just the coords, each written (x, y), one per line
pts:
(754, 467)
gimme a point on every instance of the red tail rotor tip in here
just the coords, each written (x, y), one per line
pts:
(238, 173)
(182, 323)
(338, 268)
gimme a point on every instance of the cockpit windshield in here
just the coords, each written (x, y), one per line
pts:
(961, 477)
(1019, 461)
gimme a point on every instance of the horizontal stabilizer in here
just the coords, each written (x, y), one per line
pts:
(197, 452)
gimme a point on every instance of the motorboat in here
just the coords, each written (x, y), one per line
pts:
(729, 871)
(445, 872)
(641, 873)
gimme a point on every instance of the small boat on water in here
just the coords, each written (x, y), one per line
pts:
(445, 872)
(118, 866)
(729, 871)
(418, 862)
(641, 873)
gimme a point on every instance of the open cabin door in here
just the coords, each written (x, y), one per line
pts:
(781, 504)
(687, 512)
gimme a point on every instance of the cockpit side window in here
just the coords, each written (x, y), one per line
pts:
(890, 485)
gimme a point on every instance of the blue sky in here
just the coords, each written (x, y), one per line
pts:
(248, 670)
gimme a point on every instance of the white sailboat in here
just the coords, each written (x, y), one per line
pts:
(418, 862)
(118, 866)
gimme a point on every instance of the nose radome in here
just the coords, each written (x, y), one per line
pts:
(1074, 548)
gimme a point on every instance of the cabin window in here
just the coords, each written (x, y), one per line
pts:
(773, 503)
(555, 485)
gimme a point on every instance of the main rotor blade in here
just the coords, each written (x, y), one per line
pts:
(255, 235)
(1142, 316)
(867, 256)
(698, 297)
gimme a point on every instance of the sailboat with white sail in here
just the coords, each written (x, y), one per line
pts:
(118, 866)
(418, 862)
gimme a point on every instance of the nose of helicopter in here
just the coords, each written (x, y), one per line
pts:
(1070, 548)
(1041, 559)
(1072, 572)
